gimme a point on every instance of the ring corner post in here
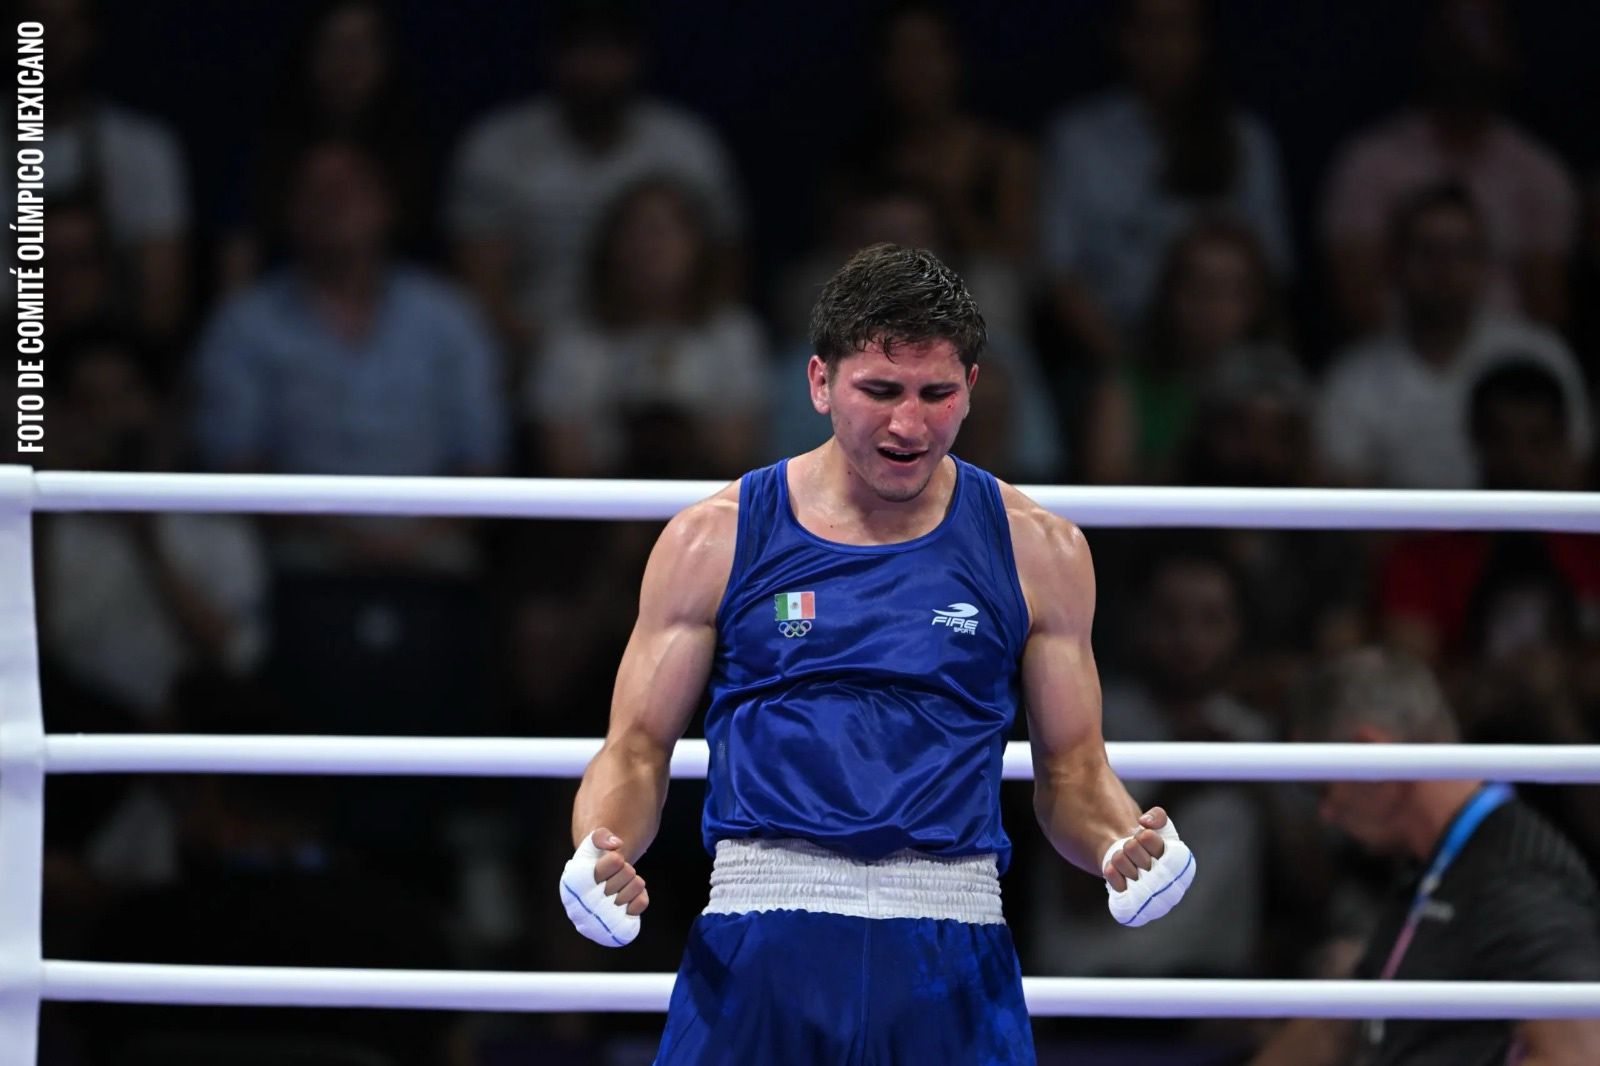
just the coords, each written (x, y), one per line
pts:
(21, 776)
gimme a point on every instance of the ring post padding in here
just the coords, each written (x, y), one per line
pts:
(21, 775)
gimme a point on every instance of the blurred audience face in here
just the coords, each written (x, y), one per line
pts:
(80, 265)
(111, 411)
(1218, 298)
(1162, 44)
(338, 207)
(349, 58)
(595, 72)
(655, 249)
(921, 69)
(70, 37)
(1443, 267)
(1258, 439)
(1522, 444)
(1190, 627)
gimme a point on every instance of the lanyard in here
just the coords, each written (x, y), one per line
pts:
(1483, 801)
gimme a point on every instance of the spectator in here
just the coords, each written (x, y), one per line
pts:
(128, 165)
(920, 133)
(1126, 173)
(1252, 423)
(342, 79)
(1475, 597)
(131, 604)
(1505, 897)
(347, 362)
(1215, 294)
(1394, 408)
(657, 351)
(136, 613)
(531, 182)
(1585, 328)
(83, 289)
(1304, 589)
(1188, 629)
(344, 362)
(1457, 130)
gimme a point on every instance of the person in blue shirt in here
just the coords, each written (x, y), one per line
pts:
(862, 622)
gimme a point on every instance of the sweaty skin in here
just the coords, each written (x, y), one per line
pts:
(883, 477)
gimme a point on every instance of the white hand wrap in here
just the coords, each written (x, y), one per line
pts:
(598, 916)
(1159, 888)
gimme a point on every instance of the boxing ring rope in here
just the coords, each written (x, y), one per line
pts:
(560, 757)
(27, 754)
(1095, 997)
(1573, 512)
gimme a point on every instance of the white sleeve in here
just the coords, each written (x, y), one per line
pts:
(1343, 439)
(222, 556)
(742, 362)
(147, 181)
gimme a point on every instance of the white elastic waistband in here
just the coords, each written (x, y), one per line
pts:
(770, 875)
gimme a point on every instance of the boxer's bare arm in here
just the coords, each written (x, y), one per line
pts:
(1081, 804)
(662, 678)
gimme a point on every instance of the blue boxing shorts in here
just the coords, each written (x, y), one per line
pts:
(810, 958)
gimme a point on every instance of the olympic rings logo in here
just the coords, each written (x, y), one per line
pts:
(795, 629)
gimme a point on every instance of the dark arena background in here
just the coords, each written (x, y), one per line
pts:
(1247, 243)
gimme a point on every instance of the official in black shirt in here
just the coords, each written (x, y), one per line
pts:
(1493, 892)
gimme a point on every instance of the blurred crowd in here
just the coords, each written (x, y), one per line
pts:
(580, 282)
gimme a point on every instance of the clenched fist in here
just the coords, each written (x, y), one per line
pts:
(1147, 873)
(602, 892)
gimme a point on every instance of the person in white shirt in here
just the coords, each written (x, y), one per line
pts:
(653, 344)
(129, 166)
(1128, 171)
(1393, 409)
(529, 183)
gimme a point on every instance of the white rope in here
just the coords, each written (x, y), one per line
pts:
(1046, 996)
(532, 757)
(629, 499)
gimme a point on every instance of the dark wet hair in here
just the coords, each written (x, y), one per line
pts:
(893, 295)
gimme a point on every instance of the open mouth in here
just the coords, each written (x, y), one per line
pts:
(898, 457)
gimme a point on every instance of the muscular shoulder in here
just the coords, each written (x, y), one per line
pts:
(689, 567)
(1053, 563)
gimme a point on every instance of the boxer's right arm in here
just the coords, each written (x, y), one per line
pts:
(662, 678)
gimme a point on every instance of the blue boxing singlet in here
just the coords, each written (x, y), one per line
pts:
(861, 694)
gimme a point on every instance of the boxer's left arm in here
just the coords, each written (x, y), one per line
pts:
(1081, 804)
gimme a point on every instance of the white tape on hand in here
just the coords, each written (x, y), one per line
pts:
(598, 916)
(1159, 888)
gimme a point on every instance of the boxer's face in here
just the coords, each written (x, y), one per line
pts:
(895, 415)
